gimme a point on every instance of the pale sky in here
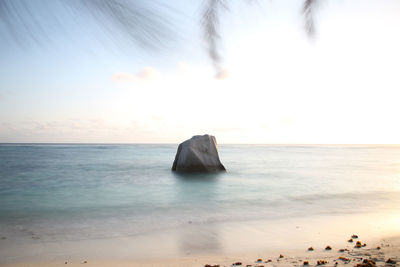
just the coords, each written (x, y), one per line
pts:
(278, 86)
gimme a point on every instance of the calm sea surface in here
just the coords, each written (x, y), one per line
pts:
(75, 192)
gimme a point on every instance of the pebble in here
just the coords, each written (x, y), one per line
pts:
(358, 244)
(366, 263)
(390, 261)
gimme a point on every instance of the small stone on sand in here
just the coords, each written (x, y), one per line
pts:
(390, 261)
(366, 263)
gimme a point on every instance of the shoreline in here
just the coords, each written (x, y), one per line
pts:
(224, 244)
(379, 252)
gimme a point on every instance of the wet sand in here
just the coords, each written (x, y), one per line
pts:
(379, 252)
(224, 245)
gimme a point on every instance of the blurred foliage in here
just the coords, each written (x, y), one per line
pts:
(141, 21)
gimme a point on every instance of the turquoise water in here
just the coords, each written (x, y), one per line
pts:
(75, 192)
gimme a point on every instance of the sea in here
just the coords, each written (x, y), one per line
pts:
(53, 193)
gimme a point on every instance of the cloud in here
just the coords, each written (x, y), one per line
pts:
(222, 74)
(146, 74)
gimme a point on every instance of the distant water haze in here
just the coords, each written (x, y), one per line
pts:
(67, 193)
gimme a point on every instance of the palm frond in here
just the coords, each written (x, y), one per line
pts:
(141, 21)
(210, 24)
(308, 11)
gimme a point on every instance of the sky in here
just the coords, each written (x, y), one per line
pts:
(278, 86)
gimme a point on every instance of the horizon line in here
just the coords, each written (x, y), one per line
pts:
(261, 144)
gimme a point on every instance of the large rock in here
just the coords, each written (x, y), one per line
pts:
(198, 154)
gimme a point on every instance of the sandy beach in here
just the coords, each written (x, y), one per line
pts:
(378, 252)
(244, 242)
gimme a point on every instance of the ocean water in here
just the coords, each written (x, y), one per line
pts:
(57, 192)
